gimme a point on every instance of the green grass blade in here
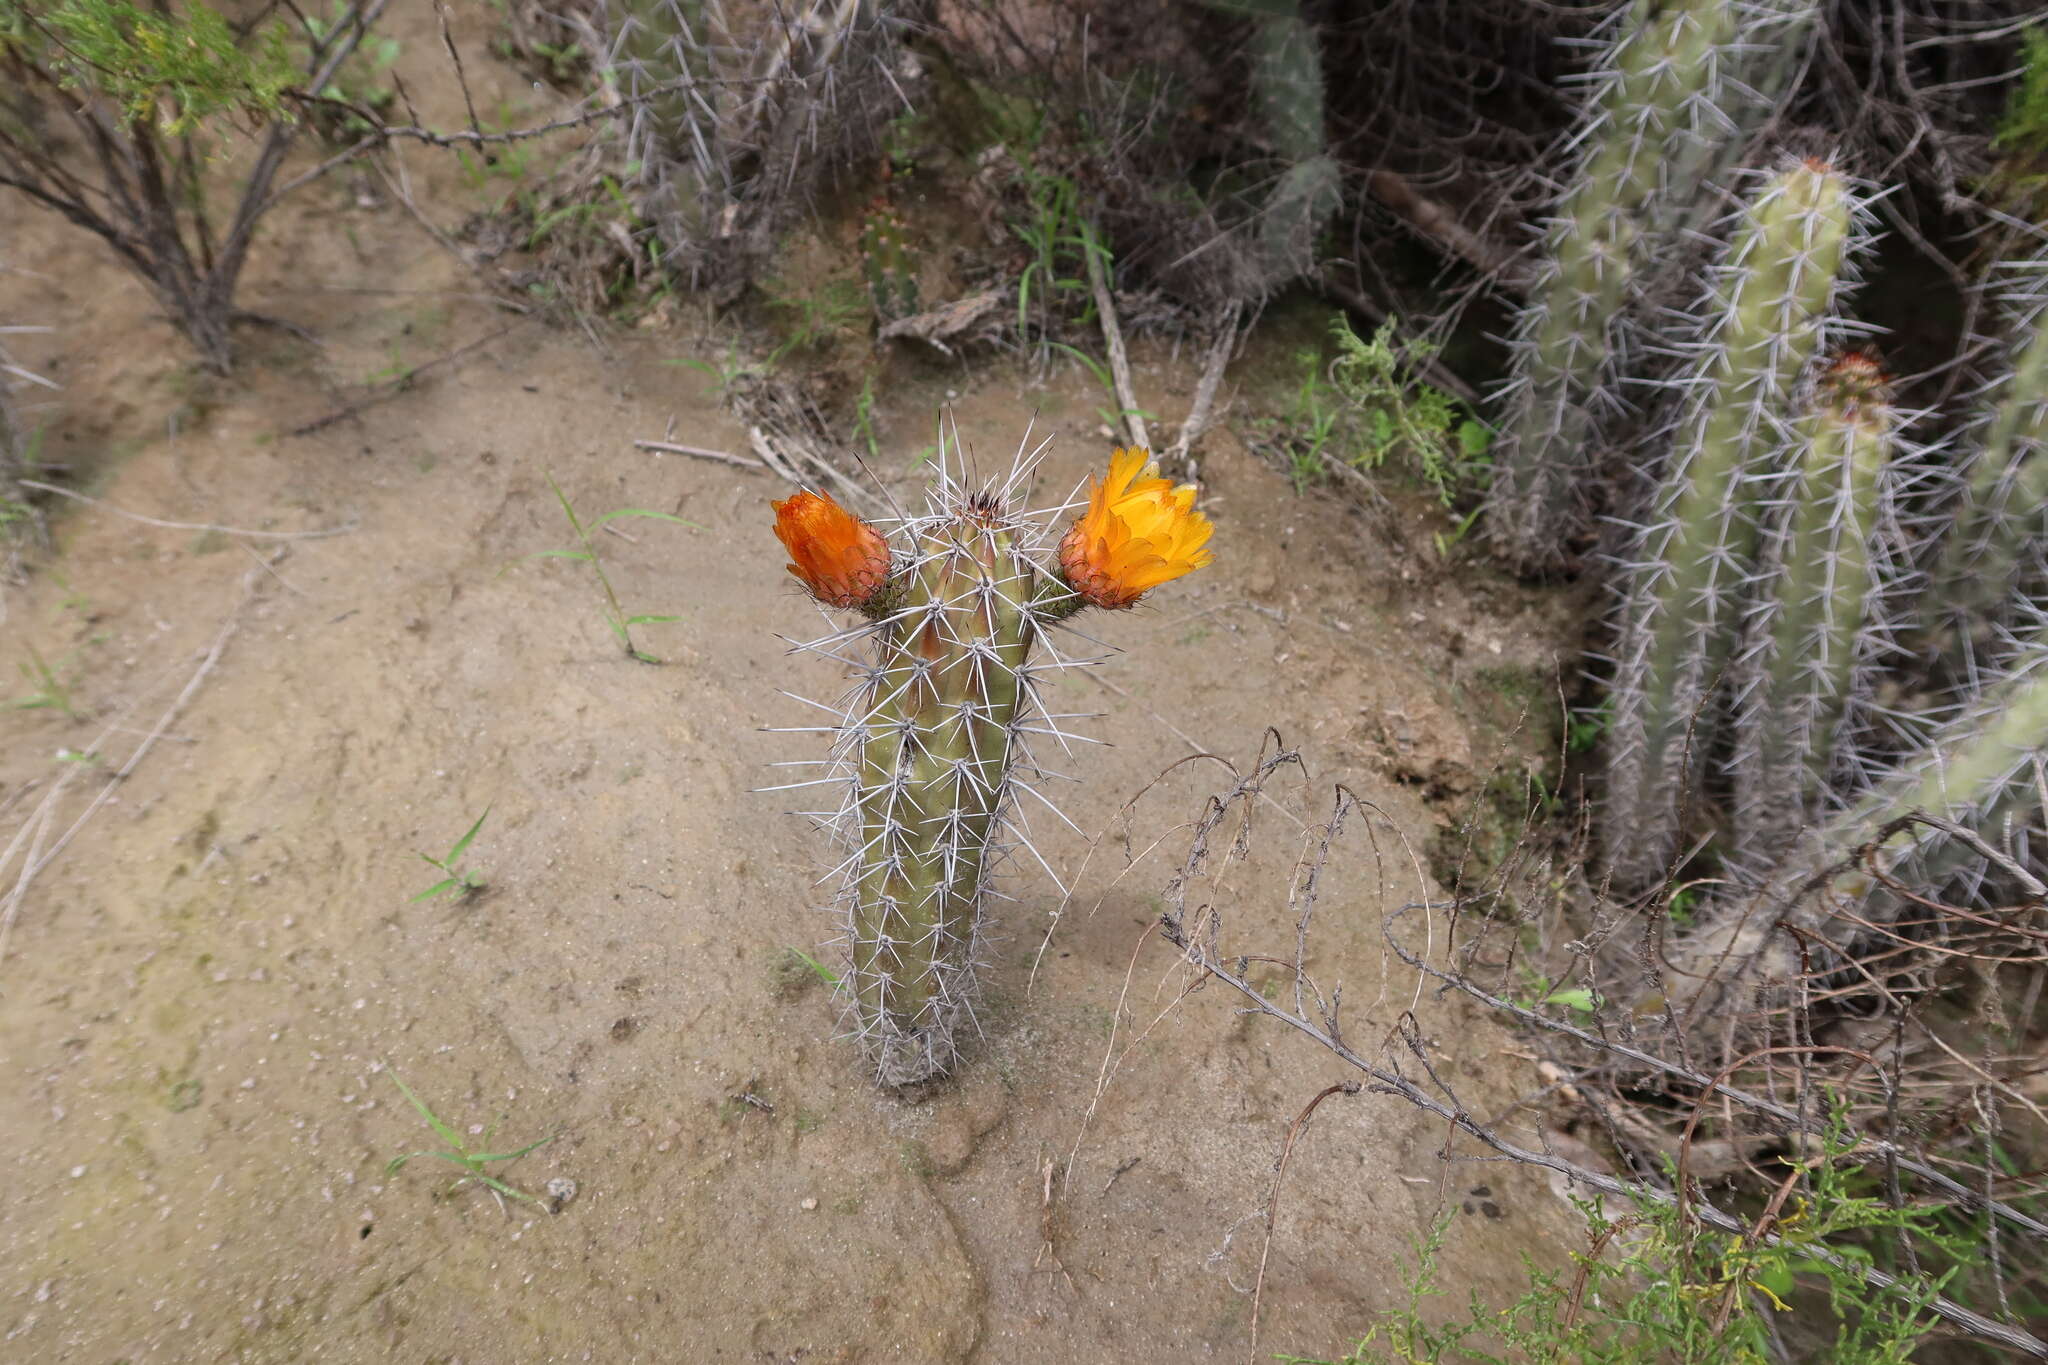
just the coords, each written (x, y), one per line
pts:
(441, 1130)
(462, 844)
(650, 620)
(643, 512)
(436, 889)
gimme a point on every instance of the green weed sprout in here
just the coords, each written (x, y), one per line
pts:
(51, 692)
(461, 880)
(615, 617)
(459, 1154)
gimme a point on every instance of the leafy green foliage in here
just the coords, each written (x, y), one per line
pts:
(1656, 1285)
(1367, 405)
(179, 66)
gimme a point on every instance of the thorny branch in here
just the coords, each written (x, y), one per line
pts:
(1195, 932)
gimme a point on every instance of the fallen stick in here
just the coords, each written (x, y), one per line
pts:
(671, 448)
(1205, 391)
(1113, 338)
(396, 385)
(35, 860)
(185, 525)
(1436, 222)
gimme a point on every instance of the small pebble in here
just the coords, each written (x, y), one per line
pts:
(808, 1205)
(77, 1172)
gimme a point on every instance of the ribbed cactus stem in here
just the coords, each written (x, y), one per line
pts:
(1773, 295)
(933, 782)
(1650, 71)
(1287, 92)
(931, 753)
(661, 61)
(1978, 771)
(2000, 530)
(1670, 70)
(885, 261)
(1817, 630)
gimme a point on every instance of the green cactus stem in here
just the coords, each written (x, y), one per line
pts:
(1999, 535)
(1820, 622)
(1773, 296)
(885, 262)
(931, 754)
(1668, 70)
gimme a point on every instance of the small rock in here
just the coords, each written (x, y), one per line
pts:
(808, 1205)
(561, 1192)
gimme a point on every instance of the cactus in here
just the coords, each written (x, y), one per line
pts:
(885, 261)
(1769, 313)
(726, 139)
(1668, 72)
(1998, 538)
(930, 755)
(1978, 771)
(1822, 624)
(662, 62)
(1287, 93)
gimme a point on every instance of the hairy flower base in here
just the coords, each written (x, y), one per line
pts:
(1139, 531)
(840, 558)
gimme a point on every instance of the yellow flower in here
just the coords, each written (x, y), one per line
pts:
(840, 558)
(1139, 531)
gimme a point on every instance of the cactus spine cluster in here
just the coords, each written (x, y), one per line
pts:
(931, 752)
(1668, 73)
(1695, 556)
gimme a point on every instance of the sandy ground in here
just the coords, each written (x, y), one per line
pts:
(198, 996)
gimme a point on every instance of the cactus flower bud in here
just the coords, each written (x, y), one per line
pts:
(840, 558)
(1139, 531)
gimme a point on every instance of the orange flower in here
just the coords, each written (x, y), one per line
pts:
(840, 558)
(1139, 531)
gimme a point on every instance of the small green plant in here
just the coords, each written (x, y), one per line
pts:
(864, 418)
(1391, 410)
(819, 969)
(1366, 404)
(1655, 1285)
(459, 1153)
(1583, 730)
(1055, 275)
(49, 691)
(812, 317)
(620, 624)
(1113, 415)
(461, 881)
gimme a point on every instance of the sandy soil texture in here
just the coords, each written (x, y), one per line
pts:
(200, 993)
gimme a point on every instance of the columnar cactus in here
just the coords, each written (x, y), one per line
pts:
(1287, 92)
(1670, 98)
(1978, 771)
(1822, 622)
(661, 61)
(2000, 531)
(930, 752)
(1773, 296)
